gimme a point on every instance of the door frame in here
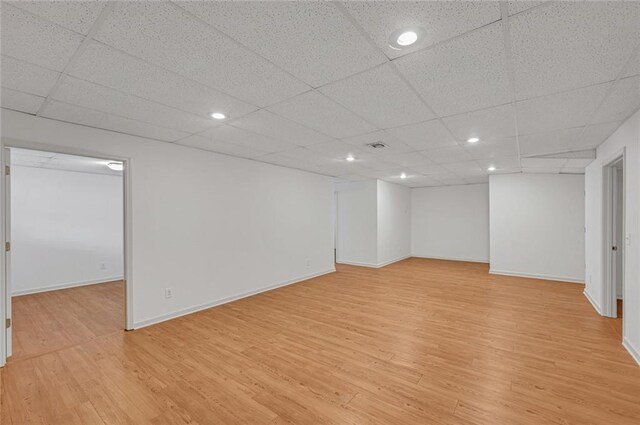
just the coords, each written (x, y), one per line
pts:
(127, 226)
(610, 307)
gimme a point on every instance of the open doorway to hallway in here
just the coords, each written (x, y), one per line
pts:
(65, 257)
(614, 198)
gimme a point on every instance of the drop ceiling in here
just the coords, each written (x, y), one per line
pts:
(304, 84)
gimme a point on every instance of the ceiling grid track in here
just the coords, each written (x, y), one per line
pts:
(104, 13)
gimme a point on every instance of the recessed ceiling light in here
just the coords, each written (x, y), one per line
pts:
(491, 168)
(407, 38)
(404, 37)
(403, 176)
(473, 140)
(218, 116)
(350, 158)
(116, 166)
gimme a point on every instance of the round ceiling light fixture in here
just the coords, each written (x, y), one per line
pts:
(403, 176)
(218, 116)
(491, 168)
(350, 158)
(115, 166)
(405, 37)
(473, 140)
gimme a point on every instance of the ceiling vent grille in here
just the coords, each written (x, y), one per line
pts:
(376, 145)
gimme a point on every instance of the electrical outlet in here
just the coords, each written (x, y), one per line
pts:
(168, 292)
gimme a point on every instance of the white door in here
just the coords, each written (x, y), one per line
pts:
(7, 252)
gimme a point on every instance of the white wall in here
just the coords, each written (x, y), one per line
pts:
(537, 225)
(66, 228)
(394, 222)
(209, 226)
(626, 137)
(357, 223)
(451, 222)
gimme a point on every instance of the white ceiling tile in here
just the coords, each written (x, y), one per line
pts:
(380, 96)
(430, 169)
(209, 144)
(168, 36)
(622, 102)
(594, 135)
(451, 180)
(447, 155)
(106, 66)
(19, 101)
(379, 164)
(562, 110)
(549, 142)
(24, 77)
(476, 179)
(518, 6)
(464, 168)
(34, 40)
(486, 124)
(567, 45)
(543, 162)
(100, 98)
(492, 148)
(578, 162)
(276, 127)
(410, 159)
(297, 163)
(353, 178)
(439, 20)
(425, 135)
(423, 181)
(312, 40)
(545, 170)
(316, 111)
(78, 115)
(334, 149)
(571, 170)
(78, 16)
(633, 67)
(462, 75)
(230, 134)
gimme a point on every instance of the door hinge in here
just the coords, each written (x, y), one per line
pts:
(7, 246)
(8, 323)
(7, 170)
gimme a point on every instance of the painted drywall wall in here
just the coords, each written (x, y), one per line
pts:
(626, 138)
(209, 226)
(451, 222)
(537, 225)
(357, 221)
(66, 229)
(394, 222)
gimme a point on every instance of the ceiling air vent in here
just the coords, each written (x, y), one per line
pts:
(376, 145)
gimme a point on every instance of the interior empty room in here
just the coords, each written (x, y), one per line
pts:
(320, 212)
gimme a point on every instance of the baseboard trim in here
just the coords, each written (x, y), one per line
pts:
(593, 302)
(372, 265)
(64, 286)
(200, 307)
(466, 260)
(635, 353)
(537, 276)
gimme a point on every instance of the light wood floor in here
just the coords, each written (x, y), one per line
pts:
(417, 342)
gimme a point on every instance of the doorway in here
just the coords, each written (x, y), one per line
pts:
(614, 239)
(65, 262)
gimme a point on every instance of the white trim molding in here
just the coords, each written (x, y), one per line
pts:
(372, 265)
(537, 276)
(194, 309)
(593, 302)
(635, 353)
(466, 260)
(65, 286)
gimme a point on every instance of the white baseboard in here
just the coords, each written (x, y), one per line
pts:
(537, 276)
(64, 286)
(189, 310)
(593, 302)
(373, 265)
(467, 260)
(635, 353)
